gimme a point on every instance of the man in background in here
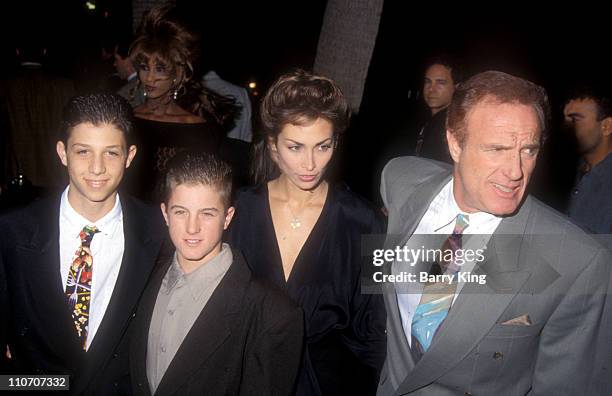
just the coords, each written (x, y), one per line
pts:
(588, 113)
(441, 77)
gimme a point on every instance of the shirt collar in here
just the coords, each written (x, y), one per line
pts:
(449, 211)
(198, 280)
(107, 224)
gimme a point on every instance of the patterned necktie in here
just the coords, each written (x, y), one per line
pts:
(78, 286)
(437, 298)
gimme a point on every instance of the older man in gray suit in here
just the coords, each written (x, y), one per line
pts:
(532, 326)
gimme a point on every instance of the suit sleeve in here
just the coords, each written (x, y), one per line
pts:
(272, 367)
(569, 340)
(366, 336)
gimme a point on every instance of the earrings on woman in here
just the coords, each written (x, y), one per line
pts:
(175, 93)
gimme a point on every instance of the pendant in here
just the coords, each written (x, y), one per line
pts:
(295, 223)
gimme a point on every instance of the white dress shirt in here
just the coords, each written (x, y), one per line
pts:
(106, 248)
(440, 219)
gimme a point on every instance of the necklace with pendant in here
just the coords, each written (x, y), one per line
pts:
(295, 222)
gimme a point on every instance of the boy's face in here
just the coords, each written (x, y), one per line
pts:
(196, 217)
(96, 157)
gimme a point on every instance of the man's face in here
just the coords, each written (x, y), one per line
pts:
(438, 87)
(581, 116)
(498, 156)
(196, 218)
(96, 157)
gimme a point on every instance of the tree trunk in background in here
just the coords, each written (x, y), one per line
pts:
(346, 44)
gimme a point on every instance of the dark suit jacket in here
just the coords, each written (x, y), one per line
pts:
(36, 322)
(247, 340)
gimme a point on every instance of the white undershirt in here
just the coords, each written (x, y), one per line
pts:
(440, 219)
(107, 248)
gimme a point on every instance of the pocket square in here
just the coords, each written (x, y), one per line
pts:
(523, 320)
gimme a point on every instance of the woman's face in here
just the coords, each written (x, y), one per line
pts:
(156, 78)
(302, 152)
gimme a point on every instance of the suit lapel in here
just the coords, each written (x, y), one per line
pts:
(138, 344)
(139, 256)
(211, 328)
(42, 256)
(410, 213)
(477, 307)
(417, 203)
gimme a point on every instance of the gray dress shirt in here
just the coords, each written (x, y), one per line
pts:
(180, 301)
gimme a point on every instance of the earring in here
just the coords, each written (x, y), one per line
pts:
(175, 93)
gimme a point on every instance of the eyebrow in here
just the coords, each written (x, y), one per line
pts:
(532, 146)
(88, 145)
(301, 144)
(199, 210)
(506, 147)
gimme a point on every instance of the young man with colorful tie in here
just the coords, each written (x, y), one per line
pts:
(73, 266)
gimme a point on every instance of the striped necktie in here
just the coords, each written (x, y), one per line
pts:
(437, 298)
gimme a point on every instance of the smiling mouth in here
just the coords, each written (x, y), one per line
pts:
(192, 242)
(96, 183)
(149, 88)
(504, 189)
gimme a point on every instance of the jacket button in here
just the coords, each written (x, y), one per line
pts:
(115, 355)
(133, 314)
(498, 355)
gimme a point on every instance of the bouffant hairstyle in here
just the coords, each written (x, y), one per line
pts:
(296, 98)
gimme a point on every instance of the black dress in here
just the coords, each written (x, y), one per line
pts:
(345, 330)
(159, 141)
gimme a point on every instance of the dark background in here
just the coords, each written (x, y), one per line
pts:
(256, 41)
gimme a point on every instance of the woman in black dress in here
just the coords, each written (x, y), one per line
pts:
(304, 234)
(178, 112)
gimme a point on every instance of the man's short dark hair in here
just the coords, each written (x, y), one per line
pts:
(189, 167)
(447, 61)
(500, 88)
(597, 95)
(98, 109)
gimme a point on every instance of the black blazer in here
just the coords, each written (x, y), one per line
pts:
(247, 340)
(36, 322)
